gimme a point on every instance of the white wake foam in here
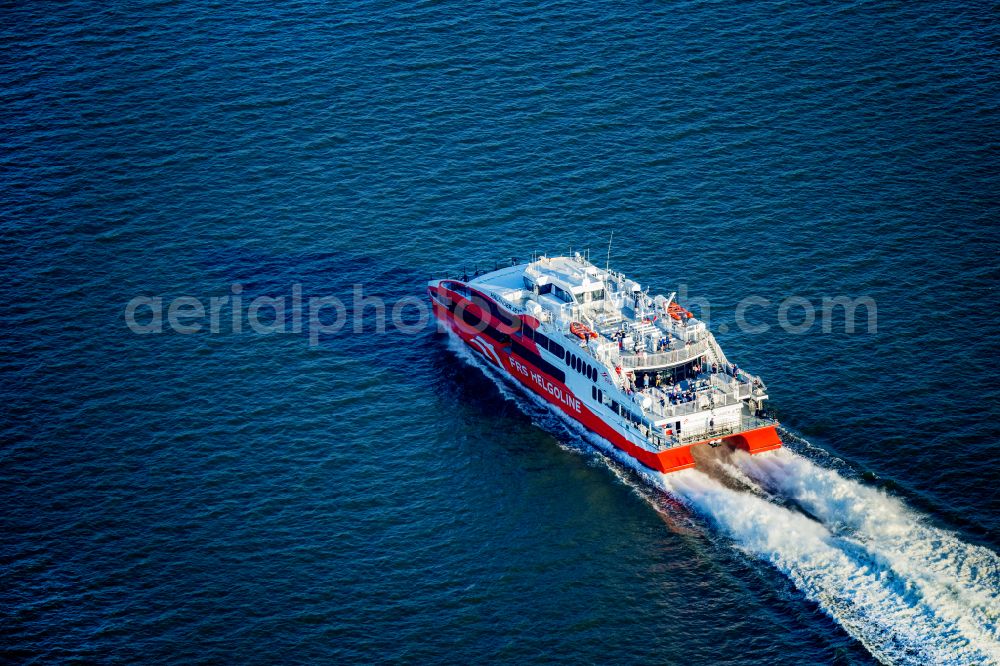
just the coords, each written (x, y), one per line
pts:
(883, 608)
(909, 592)
(960, 581)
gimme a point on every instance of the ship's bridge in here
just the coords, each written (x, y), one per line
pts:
(560, 280)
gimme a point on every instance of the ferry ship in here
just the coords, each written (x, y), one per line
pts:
(639, 371)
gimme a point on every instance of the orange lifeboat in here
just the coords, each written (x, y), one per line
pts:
(581, 331)
(677, 312)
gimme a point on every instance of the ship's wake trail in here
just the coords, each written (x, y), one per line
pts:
(939, 564)
(910, 592)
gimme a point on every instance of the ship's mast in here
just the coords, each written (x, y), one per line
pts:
(607, 265)
(607, 271)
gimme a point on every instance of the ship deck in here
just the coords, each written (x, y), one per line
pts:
(663, 361)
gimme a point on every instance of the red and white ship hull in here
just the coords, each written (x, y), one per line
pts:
(559, 392)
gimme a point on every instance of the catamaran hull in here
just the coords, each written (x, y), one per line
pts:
(560, 397)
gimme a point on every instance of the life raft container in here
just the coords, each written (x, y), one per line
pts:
(581, 331)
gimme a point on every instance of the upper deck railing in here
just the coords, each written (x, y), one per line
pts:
(664, 359)
(745, 423)
(713, 393)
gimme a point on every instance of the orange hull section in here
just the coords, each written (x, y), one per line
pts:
(751, 441)
(756, 441)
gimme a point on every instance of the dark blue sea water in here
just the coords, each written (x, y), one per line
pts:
(246, 498)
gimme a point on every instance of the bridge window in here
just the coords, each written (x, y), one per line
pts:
(563, 295)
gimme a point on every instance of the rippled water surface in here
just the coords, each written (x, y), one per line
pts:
(247, 498)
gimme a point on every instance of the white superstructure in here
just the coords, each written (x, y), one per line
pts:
(641, 364)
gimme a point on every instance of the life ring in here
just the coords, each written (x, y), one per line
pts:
(581, 331)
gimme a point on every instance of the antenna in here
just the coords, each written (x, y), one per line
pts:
(607, 269)
(607, 266)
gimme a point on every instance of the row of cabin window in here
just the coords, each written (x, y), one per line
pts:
(598, 395)
(581, 366)
(625, 412)
(544, 342)
(540, 339)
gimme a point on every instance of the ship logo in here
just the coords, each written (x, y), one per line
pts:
(486, 349)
